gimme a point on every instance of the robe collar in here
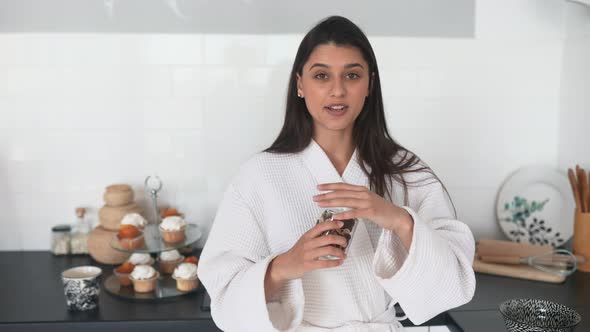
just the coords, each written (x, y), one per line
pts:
(322, 169)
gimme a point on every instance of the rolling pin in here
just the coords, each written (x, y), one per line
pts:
(509, 248)
(516, 271)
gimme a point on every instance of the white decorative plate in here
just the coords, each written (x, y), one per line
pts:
(536, 205)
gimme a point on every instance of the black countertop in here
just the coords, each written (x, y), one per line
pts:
(482, 314)
(31, 299)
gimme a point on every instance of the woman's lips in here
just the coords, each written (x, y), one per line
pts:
(336, 110)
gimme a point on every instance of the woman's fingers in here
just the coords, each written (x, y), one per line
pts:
(315, 254)
(320, 228)
(340, 186)
(327, 240)
(356, 214)
(324, 264)
(342, 194)
(346, 202)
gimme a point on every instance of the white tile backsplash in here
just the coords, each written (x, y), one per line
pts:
(90, 81)
(172, 114)
(281, 49)
(575, 99)
(81, 111)
(189, 81)
(116, 81)
(34, 80)
(221, 81)
(241, 50)
(164, 49)
(261, 81)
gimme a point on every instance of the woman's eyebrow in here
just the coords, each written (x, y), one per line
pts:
(318, 65)
(350, 65)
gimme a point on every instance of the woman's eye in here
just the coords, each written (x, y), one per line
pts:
(321, 76)
(352, 76)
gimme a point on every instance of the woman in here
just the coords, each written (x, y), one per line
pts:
(261, 262)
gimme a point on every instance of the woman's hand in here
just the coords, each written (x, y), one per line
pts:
(365, 205)
(303, 256)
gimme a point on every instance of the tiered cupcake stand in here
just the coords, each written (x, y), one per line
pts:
(166, 285)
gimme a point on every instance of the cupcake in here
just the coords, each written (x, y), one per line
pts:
(185, 275)
(169, 212)
(191, 259)
(144, 278)
(172, 229)
(169, 260)
(134, 219)
(130, 237)
(122, 273)
(141, 259)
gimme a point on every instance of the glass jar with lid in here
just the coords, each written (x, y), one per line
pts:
(60, 239)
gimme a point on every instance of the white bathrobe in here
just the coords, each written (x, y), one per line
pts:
(266, 209)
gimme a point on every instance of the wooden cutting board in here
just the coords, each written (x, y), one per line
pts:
(516, 271)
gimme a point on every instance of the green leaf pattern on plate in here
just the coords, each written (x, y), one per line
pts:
(519, 212)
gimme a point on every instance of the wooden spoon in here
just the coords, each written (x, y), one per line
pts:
(574, 183)
(583, 183)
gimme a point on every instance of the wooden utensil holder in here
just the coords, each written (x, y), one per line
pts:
(582, 238)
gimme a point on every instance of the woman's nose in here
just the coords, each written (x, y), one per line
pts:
(338, 88)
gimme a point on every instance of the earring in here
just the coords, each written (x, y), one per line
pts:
(299, 95)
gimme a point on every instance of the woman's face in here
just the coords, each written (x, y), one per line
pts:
(334, 83)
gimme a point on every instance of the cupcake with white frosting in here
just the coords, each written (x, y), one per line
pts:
(144, 278)
(169, 260)
(172, 229)
(134, 219)
(186, 278)
(141, 259)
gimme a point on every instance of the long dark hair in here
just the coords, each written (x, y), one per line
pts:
(376, 148)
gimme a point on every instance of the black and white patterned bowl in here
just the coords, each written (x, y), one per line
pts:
(531, 315)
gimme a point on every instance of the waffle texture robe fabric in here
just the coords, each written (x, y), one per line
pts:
(267, 208)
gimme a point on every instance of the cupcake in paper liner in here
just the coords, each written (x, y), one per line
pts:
(130, 237)
(134, 219)
(186, 277)
(141, 259)
(144, 278)
(172, 229)
(169, 260)
(122, 272)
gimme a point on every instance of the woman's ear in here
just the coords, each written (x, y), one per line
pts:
(299, 86)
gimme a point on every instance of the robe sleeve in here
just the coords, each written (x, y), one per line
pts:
(232, 267)
(436, 273)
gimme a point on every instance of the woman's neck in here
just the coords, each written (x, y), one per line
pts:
(338, 146)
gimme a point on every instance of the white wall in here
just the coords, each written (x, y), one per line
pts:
(574, 141)
(81, 111)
